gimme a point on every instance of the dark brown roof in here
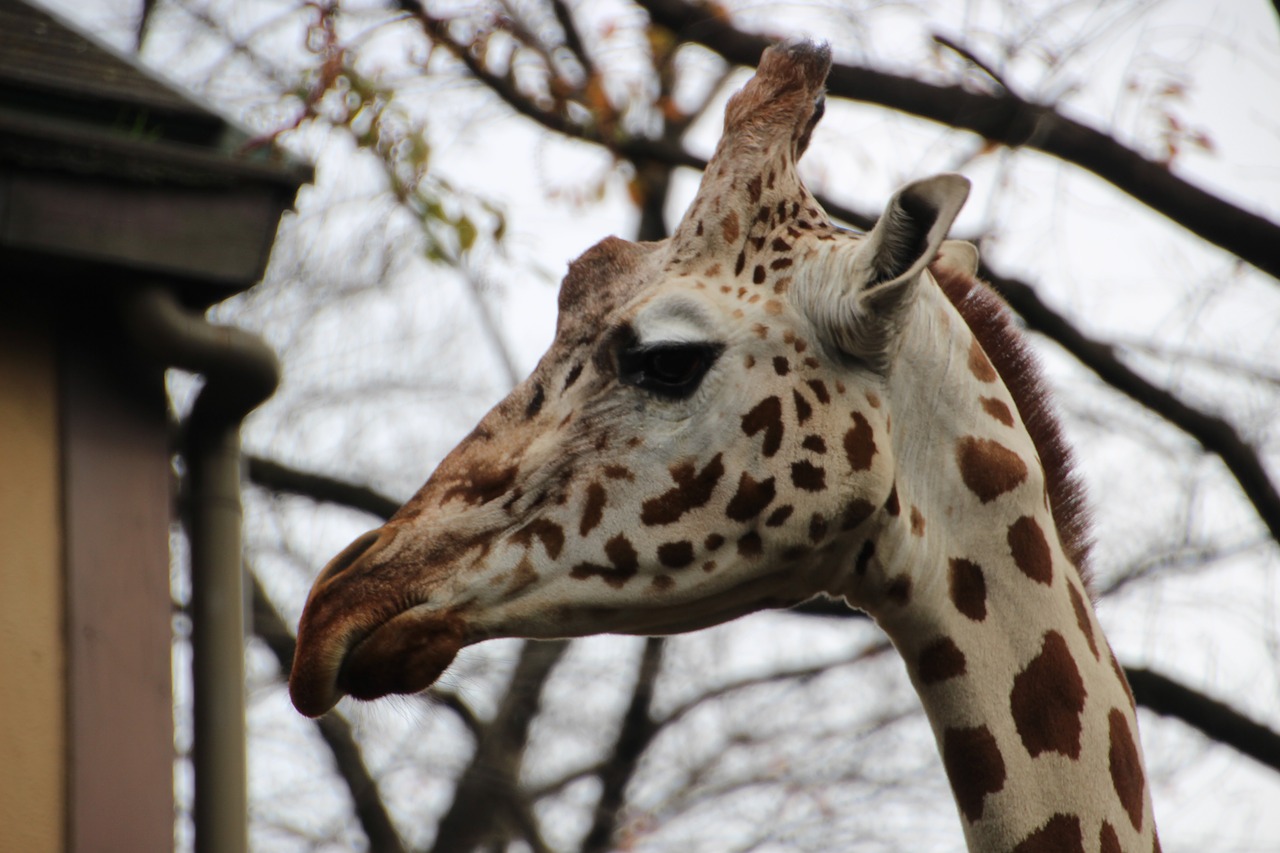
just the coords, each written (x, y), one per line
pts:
(102, 162)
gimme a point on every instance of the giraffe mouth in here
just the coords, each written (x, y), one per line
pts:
(405, 654)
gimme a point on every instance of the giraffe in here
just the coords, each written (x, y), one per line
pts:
(762, 409)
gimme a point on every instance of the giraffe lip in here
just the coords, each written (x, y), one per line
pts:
(405, 654)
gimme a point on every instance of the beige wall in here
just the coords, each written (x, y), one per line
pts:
(32, 655)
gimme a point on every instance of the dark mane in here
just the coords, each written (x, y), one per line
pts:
(991, 322)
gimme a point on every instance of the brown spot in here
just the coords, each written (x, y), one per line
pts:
(757, 275)
(572, 376)
(693, 489)
(1031, 550)
(766, 417)
(780, 264)
(741, 263)
(863, 560)
(974, 767)
(750, 360)
(753, 187)
(1047, 700)
(979, 364)
(593, 511)
(713, 541)
(709, 566)
(1108, 841)
(750, 545)
(729, 228)
(773, 307)
(968, 589)
(1120, 676)
(712, 271)
(873, 399)
(899, 590)
(483, 485)
(662, 583)
(751, 498)
(804, 411)
(817, 527)
(1126, 767)
(805, 475)
(917, 521)
(989, 468)
(891, 504)
(856, 512)
(675, 555)
(940, 660)
(998, 410)
(623, 559)
(535, 402)
(782, 285)
(780, 365)
(550, 534)
(1082, 618)
(819, 389)
(1060, 834)
(779, 515)
(860, 443)
(814, 444)
(618, 472)
(780, 245)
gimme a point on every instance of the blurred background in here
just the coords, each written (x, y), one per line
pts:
(1125, 158)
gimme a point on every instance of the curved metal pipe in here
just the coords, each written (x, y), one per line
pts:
(240, 372)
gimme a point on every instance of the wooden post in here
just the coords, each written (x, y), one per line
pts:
(33, 713)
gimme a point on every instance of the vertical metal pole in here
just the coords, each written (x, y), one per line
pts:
(218, 610)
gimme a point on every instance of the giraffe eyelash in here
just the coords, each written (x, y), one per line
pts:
(671, 370)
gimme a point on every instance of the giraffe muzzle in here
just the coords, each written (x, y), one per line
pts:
(356, 640)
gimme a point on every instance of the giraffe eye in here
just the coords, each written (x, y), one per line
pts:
(670, 370)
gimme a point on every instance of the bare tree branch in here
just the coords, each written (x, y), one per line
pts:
(487, 802)
(281, 478)
(1214, 719)
(572, 38)
(143, 26)
(973, 59)
(634, 737)
(1008, 119)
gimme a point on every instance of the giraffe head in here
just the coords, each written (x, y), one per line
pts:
(707, 435)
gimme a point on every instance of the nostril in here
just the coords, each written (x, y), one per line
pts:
(349, 555)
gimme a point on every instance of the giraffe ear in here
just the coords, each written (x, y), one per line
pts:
(858, 299)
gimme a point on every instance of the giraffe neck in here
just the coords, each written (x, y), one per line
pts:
(968, 576)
